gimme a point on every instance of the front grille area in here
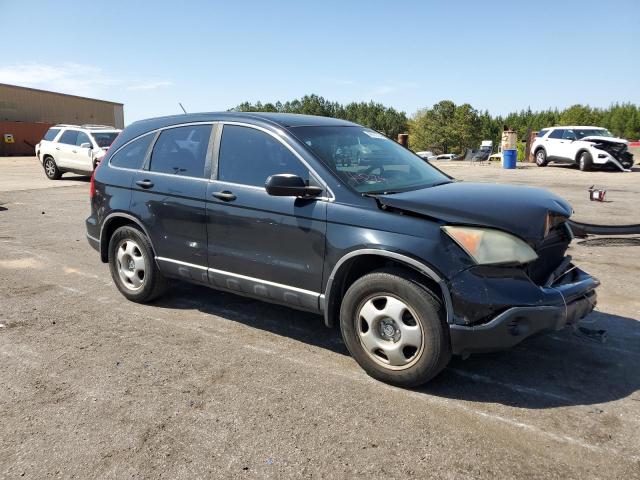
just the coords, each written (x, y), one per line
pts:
(550, 252)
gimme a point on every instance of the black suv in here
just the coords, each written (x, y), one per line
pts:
(331, 217)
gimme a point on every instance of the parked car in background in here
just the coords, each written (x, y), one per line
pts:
(584, 146)
(74, 148)
(447, 156)
(426, 155)
(328, 216)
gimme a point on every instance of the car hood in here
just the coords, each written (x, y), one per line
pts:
(519, 210)
(597, 138)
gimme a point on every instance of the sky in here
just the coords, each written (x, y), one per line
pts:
(212, 55)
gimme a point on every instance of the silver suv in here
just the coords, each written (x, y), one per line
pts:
(74, 148)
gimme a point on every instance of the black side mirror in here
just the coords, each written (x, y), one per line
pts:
(289, 185)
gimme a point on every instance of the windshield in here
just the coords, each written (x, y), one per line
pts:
(368, 161)
(592, 132)
(104, 139)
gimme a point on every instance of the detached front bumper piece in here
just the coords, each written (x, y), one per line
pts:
(517, 323)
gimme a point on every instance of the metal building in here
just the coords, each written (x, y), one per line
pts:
(26, 113)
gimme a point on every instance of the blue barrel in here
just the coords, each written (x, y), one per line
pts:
(509, 158)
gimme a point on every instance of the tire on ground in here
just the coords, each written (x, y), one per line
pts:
(541, 157)
(154, 283)
(585, 162)
(406, 286)
(51, 169)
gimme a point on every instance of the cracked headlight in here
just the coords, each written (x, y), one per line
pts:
(487, 246)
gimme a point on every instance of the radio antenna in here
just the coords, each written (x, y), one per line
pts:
(185, 112)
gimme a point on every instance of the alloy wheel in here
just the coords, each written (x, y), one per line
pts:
(130, 264)
(49, 167)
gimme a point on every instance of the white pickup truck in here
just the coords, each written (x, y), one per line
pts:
(74, 148)
(586, 147)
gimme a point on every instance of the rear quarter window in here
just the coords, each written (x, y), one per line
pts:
(542, 133)
(133, 154)
(51, 134)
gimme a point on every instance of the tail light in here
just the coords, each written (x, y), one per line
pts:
(92, 183)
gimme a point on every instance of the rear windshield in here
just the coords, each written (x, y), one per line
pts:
(104, 139)
(367, 161)
(51, 134)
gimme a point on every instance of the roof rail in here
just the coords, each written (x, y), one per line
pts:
(62, 125)
(91, 125)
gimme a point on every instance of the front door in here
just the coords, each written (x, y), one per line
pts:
(168, 196)
(81, 155)
(269, 247)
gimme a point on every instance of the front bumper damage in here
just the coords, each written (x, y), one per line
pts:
(512, 308)
(613, 153)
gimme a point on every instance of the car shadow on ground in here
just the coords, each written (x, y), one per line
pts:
(76, 178)
(558, 369)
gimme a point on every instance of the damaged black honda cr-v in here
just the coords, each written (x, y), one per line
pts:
(331, 217)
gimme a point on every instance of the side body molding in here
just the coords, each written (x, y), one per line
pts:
(410, 262)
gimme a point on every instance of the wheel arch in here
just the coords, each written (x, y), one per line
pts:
(580, 152)
(111, 223)
(357, 263)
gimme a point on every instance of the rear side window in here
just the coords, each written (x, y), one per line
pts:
(249, 156)
(69, 137)
(542, 133)
(132, 155)
(181, 151)
(83, 138)
(556, 133)
(51, 134)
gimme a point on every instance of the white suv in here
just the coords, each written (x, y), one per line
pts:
(585, 146)
(73, 148)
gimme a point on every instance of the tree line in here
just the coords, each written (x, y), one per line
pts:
(449, 128)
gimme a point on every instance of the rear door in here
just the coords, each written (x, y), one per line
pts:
(63, 150)
(553, 144)
(169, 198)
(261, 245)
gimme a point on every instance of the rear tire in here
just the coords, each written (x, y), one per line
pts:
(51, 170)
(394, 327)
(585, 162)
(541, 157)
(133, 266)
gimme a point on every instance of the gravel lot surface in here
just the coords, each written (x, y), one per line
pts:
(206, 384)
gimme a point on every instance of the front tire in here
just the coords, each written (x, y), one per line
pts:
(51, 169)
(394, 327)
(133, 267)
(585, 162)
(541, 158)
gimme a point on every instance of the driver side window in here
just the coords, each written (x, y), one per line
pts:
(569, 135)
(249, 156)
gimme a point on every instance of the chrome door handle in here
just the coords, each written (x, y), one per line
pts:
(145, 183)
(225, 195)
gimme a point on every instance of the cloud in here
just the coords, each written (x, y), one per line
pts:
(382, 90)
(150, 85)
(73, 78)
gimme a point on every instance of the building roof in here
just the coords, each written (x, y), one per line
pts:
(18, 87)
